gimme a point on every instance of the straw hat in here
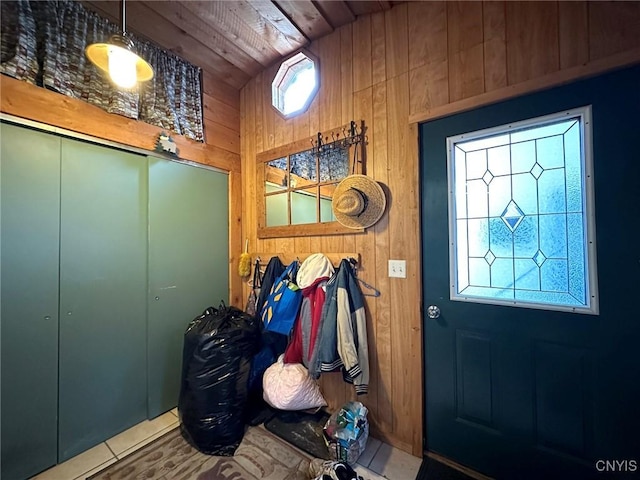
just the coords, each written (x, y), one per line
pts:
(358, 201)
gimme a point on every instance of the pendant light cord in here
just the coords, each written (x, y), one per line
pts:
(123, 19)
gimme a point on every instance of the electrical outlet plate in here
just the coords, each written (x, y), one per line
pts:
(398, 268)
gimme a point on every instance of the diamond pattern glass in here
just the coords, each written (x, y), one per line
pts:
(512, 215)
(520, 216)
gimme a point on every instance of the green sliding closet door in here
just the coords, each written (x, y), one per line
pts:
(30, 199)
(103, 289)
(188, 265)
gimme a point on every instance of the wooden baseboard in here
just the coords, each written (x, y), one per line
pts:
(461, 468)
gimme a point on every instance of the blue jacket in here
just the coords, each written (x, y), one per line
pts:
(343, 331)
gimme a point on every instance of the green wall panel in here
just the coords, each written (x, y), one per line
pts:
(103, 290)
(30, 213)
(188, 265)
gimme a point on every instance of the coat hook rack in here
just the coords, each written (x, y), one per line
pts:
(287, 258)
(324, 144)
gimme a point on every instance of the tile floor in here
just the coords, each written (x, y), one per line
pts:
(379, 461)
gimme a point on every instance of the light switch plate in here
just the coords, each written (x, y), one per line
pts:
(398, 268)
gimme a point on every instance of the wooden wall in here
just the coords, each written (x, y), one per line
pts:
(417, 61)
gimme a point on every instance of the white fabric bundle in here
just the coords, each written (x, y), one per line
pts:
(288, 386)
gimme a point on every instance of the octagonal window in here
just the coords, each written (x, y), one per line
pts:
(295, 84)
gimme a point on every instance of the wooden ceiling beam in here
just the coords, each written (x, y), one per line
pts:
(251, 40)
(259, 11)
(306, 16)
(366, 7)
(337, 12)
(207, 34)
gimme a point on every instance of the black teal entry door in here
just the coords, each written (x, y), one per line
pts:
(531, 267)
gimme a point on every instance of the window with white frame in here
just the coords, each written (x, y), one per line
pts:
(295, 84)
(521, 218)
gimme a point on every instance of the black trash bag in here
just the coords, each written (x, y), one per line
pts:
(216, 360)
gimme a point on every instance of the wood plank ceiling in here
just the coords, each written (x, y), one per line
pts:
(234, 40)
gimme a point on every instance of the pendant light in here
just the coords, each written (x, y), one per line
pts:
(118, 59)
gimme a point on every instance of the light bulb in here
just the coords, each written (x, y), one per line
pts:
(122, 66)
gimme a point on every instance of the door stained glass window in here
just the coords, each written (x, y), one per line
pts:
(521, 220)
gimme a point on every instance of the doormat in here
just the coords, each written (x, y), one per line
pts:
(260, 455)
(304, 430)
(433, 469)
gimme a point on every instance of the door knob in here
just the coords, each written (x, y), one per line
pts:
(433, 311)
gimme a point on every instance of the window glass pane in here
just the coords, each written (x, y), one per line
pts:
(523, 156)
(334, 164)
(303, 169)
(537, 131)
(551, 191)
(460, 187)
(489, 292)
(525, 238)
(547, 298)
(553, 275)
(300, 88)
(462, 255)
(275, 174)
(484, 143)
(573, 165)
(576, 257)
(477, 201)
(550, 152)
(527, 274)
(553, 235)
(476, 164)
(478, 234)
(294, 84)
(277, 210)
(525, 192)
(500, 238)
(499, 195)
(303, 206)
(479, 272)
(326, 194)
(520, 231)
(502, 273)
(499, 160)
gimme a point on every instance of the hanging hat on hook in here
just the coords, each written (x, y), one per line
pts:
(358, 201)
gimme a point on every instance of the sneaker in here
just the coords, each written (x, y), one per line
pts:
(344, 471)
(320, 469)
(331, 470)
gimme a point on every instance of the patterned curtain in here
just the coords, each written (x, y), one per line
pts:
(43, 43)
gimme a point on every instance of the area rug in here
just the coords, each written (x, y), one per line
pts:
(432, 469)
(260, 456)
